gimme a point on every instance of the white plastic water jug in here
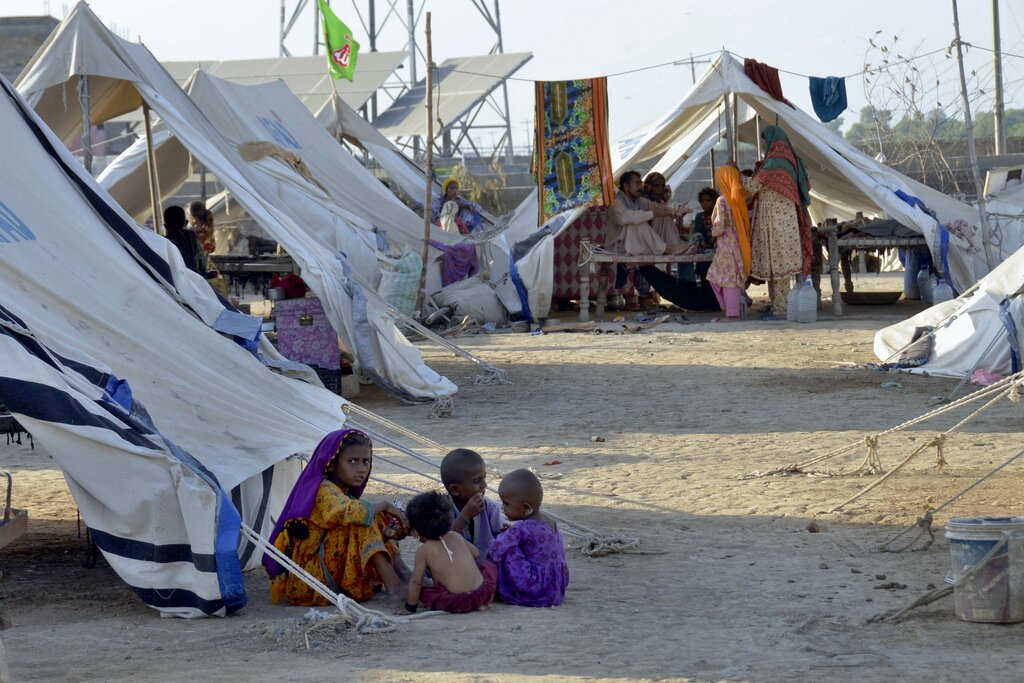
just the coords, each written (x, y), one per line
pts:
(793, 301)
(807, 307)
(942, 292)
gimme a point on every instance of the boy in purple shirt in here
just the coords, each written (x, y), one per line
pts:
(478, 519)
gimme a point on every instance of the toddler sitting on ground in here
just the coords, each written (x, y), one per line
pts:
(460, 584)
(530, 556)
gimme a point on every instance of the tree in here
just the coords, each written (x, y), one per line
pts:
(906, 114)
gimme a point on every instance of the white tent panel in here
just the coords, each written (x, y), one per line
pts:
(359, 317)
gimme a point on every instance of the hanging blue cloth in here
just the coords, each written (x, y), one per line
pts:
(828, 96)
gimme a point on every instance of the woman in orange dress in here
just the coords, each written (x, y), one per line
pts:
(346, 543)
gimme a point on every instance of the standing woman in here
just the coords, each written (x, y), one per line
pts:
(780, 228)
(730, 226)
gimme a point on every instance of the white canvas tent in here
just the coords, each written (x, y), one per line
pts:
(844, 180)
(129, 74)
(343, 121)
(108, 357)
(982, 328)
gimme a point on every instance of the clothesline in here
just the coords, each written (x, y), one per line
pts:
(684, 60)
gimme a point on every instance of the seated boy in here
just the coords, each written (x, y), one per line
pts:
(478, 519)
(459, 584)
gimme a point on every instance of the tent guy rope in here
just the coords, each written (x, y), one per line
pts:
(590, 542)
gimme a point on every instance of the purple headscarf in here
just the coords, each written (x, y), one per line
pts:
(300, 501)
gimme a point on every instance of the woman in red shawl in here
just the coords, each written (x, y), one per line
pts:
(347, 543)
(780, 227)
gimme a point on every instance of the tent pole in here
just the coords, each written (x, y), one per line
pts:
(757, 122)
(83, 99)
(736, 128)
(428, 200)
(712, 166)
(986, 232)
(730, 143)
(154, 193)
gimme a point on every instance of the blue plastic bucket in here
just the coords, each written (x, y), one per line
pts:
(987, 586)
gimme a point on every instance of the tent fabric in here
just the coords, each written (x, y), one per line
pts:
(342, 120)
(81, 45)
(122, 179)
(108, 357)
(969, 333)
(844, 180)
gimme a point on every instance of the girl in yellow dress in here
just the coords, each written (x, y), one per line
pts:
(347, 543)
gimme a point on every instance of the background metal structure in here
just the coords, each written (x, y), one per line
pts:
(394, 20)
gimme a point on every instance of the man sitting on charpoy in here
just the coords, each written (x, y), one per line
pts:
(629, 221)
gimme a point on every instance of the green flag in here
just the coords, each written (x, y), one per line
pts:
(342, 48)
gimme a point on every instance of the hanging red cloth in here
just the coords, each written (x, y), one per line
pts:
(766, 77)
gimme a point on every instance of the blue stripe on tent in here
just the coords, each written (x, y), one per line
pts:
(524, 297)
(151, 552)
(49, 404)
(1006, 317)
(12, 318)
(229, 567)
(110, 216)
(944, 248)
(177, 598)
(519, 250)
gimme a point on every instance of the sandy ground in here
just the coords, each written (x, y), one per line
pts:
(739, 589)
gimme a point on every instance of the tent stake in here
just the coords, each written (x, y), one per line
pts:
(154, 191)
(428, 199)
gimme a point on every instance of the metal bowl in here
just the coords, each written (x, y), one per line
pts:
(277, 293)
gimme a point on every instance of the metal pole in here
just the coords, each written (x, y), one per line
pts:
(968, 121)
(202, 183)
(412, 44)
(316, 29)
(757, 123)
(154, 190)
(83, 99)
(280, 44)
(693, 70)
(504, 86)
(997, 64)
(373, 48)
(428, 201)
(730, 143)
(412, 65)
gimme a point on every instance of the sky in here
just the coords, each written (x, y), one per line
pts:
(586, 38)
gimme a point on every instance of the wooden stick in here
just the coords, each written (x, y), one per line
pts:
(428, 198)
(986, 230)
(154, 186)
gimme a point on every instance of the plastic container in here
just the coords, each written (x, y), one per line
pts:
(987, 559)
(793, 301)
(807, 306)
(925, 284)
(942, 292)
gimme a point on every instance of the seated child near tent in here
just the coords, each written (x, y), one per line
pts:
(459, 585)
(530, 555)
(328, 529)
(478, 519)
